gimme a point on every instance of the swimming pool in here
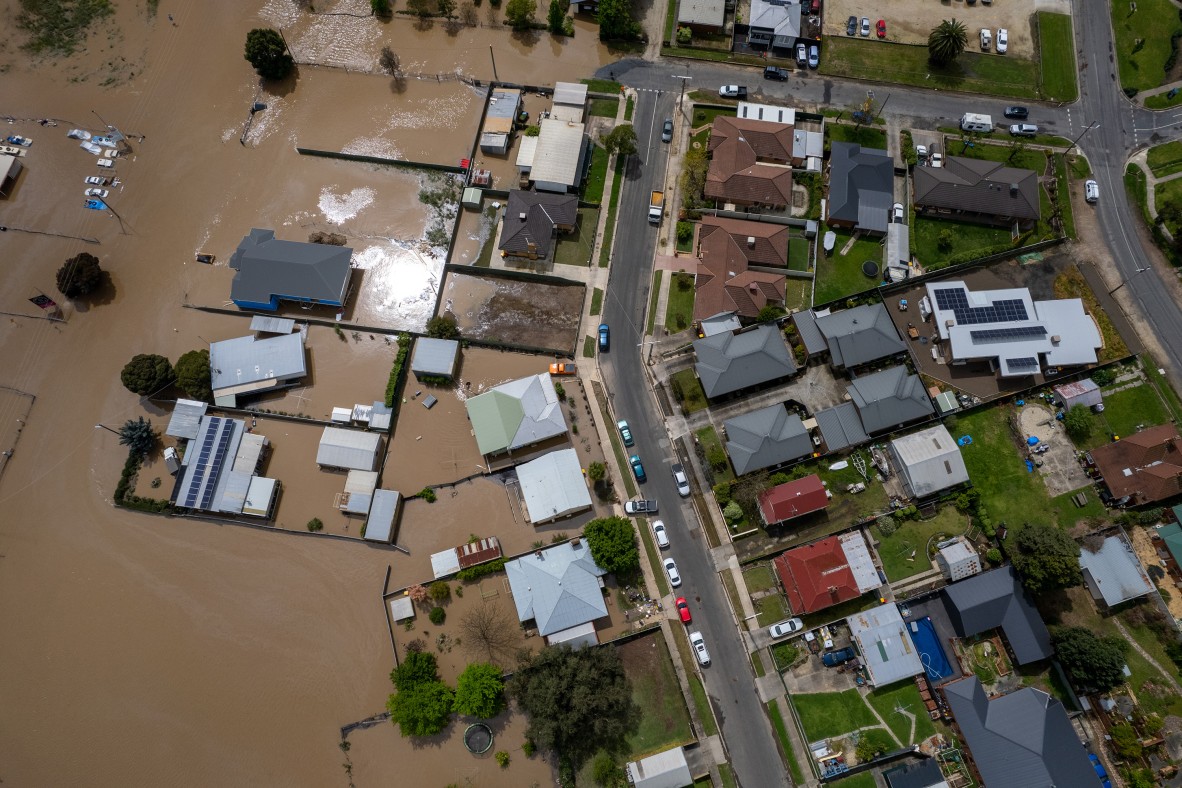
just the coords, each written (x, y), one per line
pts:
(931, 654)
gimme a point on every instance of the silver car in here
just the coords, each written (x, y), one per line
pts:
(785, 627)
(671, 570)
(667, 130)
(699, 644)
(683, 486)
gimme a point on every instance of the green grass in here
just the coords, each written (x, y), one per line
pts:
(1165, 191)
(798, 254)
(716, 55)
(704, 115)
(691, 390)
(602, 85)
(1143, 65)
(1165, 159)
(1140, 405)
(1163, 100)
(908, 65)
(629, 106)
(907, 697)
(670, 21)
(757, 663)
(679, 313)
(614, 437)
(1093, 509)
(1064, 195)
(58, 28)
(688, 244)
(727, 775)
(759, 578)
(770, 609)
(1173, 402)
(702, 702)
(577, 248)
(604, 108)
(664, 721)
(588, 347)
(784, 655)
(829, 714)
(609, 229)
(1002, 152)
(863, 780)
(654, 555)
(593, 188)
(798, 293)
(652, 301)
(1136, 186)
(773, 711)
(867, 136)
(839, 276)
(709, 439)
(1056, 47)
(913, 535)
(968, 240)
(1080, 168)
(596, 301)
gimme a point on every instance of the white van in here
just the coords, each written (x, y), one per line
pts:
(972, 121)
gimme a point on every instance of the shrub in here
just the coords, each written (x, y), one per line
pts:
(560, 391)
(528, 748)
(887, 525)
(871, 744)
(1125, 741)
(315, 525)
(437, 615)
(732, 512)
(439, 591)
(1079, 422)
(395, 379)
(993, 555)
(427, 494)
(1103, 377)
(685, 232)
(480, 570)
(502, 759)
(722, 493)
(147, 374)
(945, 240)
(443, 327)
(717, 458)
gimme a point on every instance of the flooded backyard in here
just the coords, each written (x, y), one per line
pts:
(512, 311)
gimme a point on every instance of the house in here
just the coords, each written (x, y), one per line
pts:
(435, 358)
(1019, 740)
(774, 23)
(1006, 329)
(993, 600)
(532, 220)
(247, 366)
(957, 559)
(218, 473)
(342, 449)
(553, 486)
(556, 159)
(570, 101)
(861, 188)
(765, 438)
(383, 512)
(725, 282)
(515, 414)
(841, 426)
(977, 190)
(742, 359)
(270, 271)
(854, 337)
(917, 774)
(504, 104)
(665, 769)
(750, 162)
(10, 168)
(560, 589)
(1145, 467)
(890, 398)
(886, 648)
(702, 16)
(828, 572)
(793, 499)
(1082, 392)
(928, 461)
(1112, 573)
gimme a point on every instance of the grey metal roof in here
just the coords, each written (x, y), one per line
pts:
(207, 463)
(557, 587)
(860, 177)
(886, 647)
(553, 485)
(574, 93)
(186, 418)
(265, 324)
(667, 769)
(898, 245)
(766, 437)
(379, 526)
(380, 416)
(806, 326)
(889, 398)
(270, 269)
(918, 774)
(1113, 573)
(250, 359)
(782, 19)
(841, 427)
(435, 357)
(559, 153)
(997, 599)
(543, 214)
(730, 362)
(717, 324)
(350, 449)
(978, 186)
(860, 335)
(1020, 740)
(929, 461)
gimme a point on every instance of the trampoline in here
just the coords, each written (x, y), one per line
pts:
(870, 268)
(931, 654)
(478, 738)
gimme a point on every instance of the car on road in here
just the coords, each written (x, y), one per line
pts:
(667, 130)
(776, 73)
(897, 212)
(802, 55)
(865, 26)
(625, 432)
(640, 506)
(733, 91)
(1017, 113)
(986, 39)
(814, 56)
(851, 26)
(785, 627)
(1023, 130)
(1003, 40)
(683, 610)
(671, 570)
(605, 338)
(100, 193)
(699, 644)
(834, 658)
(661, 534)
(1091, 191)
(682, 481)
(637, 468)
(880, 28)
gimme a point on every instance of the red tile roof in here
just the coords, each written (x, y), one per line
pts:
(1147, 465)
(793, 499)
(816, 576)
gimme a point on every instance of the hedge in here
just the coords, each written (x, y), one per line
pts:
(480, 570)
(130, 468)
(396, 371)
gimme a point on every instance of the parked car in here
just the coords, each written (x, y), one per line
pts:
(1017, 113)
(785, 627)
(1091, 191)
(604, 337)
(1023, 130)
(625, 432)
(851, 26)
(682, 481)
(733, 91)
(814, 56)
(865, 26)
(667, 130)
(802, 55)
(1003, 40)
(683, 610)
(922, 152)
(699, 644)
(100, 193)
(936, 159)
(662, 536)
(776, 73)
(834, 658)
(637, 468)
(897, 212)
(880, 28)
(671, 570)
(105, 163)
(986, 39)
(640, 506)
(97, 180)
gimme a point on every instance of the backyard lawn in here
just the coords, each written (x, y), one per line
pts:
(596, 176)
(771, 609)
(863, 780)
(798, 254)
(759, 578)
(1143, 40)
(864, 135)
(1057, 49)
(1165, 159)
(604, 108)
(966, 241)
(798, 294)
(680, 311)
(826, 715)
(576, 248)
(840, 275)
(905, 696)
(1125, 410)
(692, 397)
(904, 553)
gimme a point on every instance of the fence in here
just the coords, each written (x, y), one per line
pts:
(328, 154)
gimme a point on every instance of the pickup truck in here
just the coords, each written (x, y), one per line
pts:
(656, 207)
(640, 506)
(561, 368)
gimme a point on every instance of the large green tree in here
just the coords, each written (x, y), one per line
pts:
(519, 14)
(1079, 422)
(946, 41)
(79, 275)
(621, 140)
(480, 691)
(1093, 663)
(578, 702)
(613, 544)
(443, 327)
(193, 375)
(139, 436)
(417, 667)
(423, 709)
(556, 19)
(615, 20)
(267, 52)
(147, 374)
(1046, 557)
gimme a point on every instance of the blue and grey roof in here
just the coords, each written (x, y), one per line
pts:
(245, 360)
(889, 398)
(860, 335)
(730, 362)
(435, 357)
(861, 185)
(764, 438)
(997, 599)
(558, 587)
(1113, 572)
(269, 269)
(841, 427)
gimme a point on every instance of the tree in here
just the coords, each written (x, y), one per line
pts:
(443, 327)
(389, 62)
(1125, 742)
(945, 240)
(578, 702)
(613, 544)
(480, 691)
(418, 593)
(732, 512)
(418, 667)
(267, 52)
(381, 8)
(621, 140)
(193, 375)
(607, 773)
(596, 471)
(423, 709)
(694, 168)
(1046, 557)
(520, 13)
(138, 436)
(557, 16)
(615, 21)
(1079, 422)
(770, 312)
(445, 8)
(147, 374)
(486, 630)
(79, 276)
(1093, 663)
(421, 8)
(440, 590)
(871, 744)
(946, 41)
(468, 14)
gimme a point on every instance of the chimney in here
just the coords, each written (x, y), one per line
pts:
(1013, 190)
(521, 216)
(750, 241)
(1056, 339)
(754, 288)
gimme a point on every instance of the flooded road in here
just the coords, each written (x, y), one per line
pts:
(139, 650)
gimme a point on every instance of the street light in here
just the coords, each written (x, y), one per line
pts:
(683, 78)
(108, 429)
(1091, 125)
(1125, 282)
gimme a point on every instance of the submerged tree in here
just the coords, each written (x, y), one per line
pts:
(139, 436)
(193, 375)
(267, 52)
(79, 276)
(147, 374)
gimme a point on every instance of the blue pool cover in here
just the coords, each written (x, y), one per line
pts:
(931, 654)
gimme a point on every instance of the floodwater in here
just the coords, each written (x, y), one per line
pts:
(143, 650)
(507, 310)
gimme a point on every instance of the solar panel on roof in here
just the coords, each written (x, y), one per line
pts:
(1009, 334)
(956, 300)
(1022, 363)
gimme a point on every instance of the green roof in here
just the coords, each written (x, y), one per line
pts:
(1172, 535)
(496, 417)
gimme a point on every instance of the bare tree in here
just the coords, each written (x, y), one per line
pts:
(468, 14)
(487, 631)
(389, 61)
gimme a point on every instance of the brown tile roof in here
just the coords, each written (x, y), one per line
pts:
(767, 140)
(1147, 465)
(724, 283)
(750, 161)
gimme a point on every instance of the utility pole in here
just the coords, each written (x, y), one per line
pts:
(683, 78)
(1085, 131)
(494, 63)
(105, 427)
(1136, 273)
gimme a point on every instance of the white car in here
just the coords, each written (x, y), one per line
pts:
(865, 26)
(986, 39)
(671, 570)
(100, 193)
(922, 152)
(897, 213)
(699, 644)
(682, 481)
(661, 534)
(937, 159)
(1003, 40)
(96, 180)
(786, 627)
(1091, 191)
(732, 91)
(105, 163)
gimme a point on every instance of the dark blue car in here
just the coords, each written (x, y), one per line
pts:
(637, 468)
(604, 337)
(834, 658)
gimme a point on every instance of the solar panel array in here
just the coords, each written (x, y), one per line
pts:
(211, 455)
(956, 300)
(1022, 363)
(1011, 334)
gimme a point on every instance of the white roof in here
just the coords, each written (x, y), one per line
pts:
(769, 112)
(702, 12)
(526, 148)
(272, 325)
(401, 607)
(957, 550)
(383, 510)
(570, 93)
(857, 555)
(886, 647)
(259, 496)
(341, 448)
(666, 769)
(444, 563)
(361, 482)
(342, 415)
(559, 147)
(247, 361)
(575, 637)
(250, 451)
(930, 461)
(553, 485)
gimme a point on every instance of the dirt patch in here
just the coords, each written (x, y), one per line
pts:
(1143, 546)
(910, 21)
(1059, 470)
(532, 314)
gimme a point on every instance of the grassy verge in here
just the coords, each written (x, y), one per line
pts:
(654, 555)
(1071, 284)
(652, 301)
(702, 701)
(604, 108)
(773, 711)
(617, 446)
(732, 592)
(708, 438)
(1163, 100)
(840, 275)
(1173, 402)
(1056, 48)
(1165, 159)
(1143, 40)
(716, 55)
(593, 188)
(596, 301)
(692, 397)
(1080, 168)
(828, 714)
(670, 21)
(602, 85)
(1064, 196)
(727, 775)
(609, 229)
(1136, 185)
(628, 108)
(679, 312)
(588, 347)
(867, 136)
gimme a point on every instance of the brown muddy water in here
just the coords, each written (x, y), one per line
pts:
(139, 650)
(499, 309)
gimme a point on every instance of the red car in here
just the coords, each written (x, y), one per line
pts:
(881, 28)
(683, 610)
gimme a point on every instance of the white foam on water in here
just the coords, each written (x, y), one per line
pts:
(339, 208)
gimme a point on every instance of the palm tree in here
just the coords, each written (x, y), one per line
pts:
(946, 42)
(139, 436)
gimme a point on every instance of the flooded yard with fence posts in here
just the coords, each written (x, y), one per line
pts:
(514, 311)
